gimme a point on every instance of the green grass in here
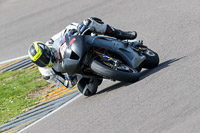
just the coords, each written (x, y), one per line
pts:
(14, 89)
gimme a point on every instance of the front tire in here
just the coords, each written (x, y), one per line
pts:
(88, 86)
(107, 72)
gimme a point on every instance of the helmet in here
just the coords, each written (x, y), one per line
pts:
(40, 54)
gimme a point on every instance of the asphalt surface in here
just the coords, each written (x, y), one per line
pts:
(165, 100)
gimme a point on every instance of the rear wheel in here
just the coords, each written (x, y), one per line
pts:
(152, 59)
(108, 70)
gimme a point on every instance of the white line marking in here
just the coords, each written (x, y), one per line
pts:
(6, 61)
(70, 101)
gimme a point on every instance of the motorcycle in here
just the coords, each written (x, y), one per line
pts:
(93, 58)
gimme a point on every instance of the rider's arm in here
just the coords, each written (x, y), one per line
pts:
(72, 26)
(55, 78)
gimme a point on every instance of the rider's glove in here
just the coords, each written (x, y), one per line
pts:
(69, 83)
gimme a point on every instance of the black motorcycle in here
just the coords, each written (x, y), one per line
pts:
(93, 58)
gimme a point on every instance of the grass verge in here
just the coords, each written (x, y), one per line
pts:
(15, 87)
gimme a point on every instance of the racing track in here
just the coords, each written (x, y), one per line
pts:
(165, 100)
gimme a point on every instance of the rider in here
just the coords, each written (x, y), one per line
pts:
(46, 56)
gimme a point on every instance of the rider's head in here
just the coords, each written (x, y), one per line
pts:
(40, 54)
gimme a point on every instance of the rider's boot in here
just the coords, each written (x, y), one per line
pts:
(122, 35)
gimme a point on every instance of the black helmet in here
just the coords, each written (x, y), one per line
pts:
(40, 54)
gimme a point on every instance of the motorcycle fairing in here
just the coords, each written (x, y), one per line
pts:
(75, 52)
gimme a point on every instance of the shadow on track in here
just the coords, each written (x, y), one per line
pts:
(161, 66)
(143, 75)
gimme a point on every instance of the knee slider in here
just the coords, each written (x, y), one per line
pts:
(87, 22)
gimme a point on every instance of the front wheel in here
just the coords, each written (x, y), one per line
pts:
(121, 73)
(152, 59)
(88, 86)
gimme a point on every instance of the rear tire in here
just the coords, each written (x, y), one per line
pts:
(107, 72)
(152, 59)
